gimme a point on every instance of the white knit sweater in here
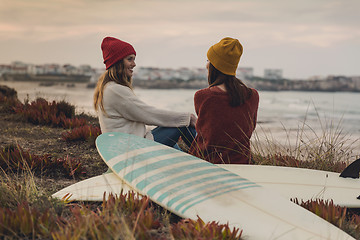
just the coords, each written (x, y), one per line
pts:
(125, 112)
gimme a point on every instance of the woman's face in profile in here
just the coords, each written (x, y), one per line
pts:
(129, 64)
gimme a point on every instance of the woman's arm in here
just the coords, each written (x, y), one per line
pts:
(128, 105)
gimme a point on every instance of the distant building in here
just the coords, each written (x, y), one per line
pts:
(149, 73)
(316, 77)
(4, 69)
(184, 73)
(245, 72)
(273, 74)
(356, 81)
(35, 69)
(142, 73)
(19, 71)
(200, 73)
(53, 69)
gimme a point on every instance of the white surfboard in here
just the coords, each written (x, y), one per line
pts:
(191, 187)
(303, 184)
(94, 189)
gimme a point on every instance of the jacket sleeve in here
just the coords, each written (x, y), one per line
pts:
(123, 100)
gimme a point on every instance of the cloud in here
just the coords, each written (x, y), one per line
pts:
(180, 29)
(313, 20)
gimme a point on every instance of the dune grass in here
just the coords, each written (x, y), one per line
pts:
(328, 149)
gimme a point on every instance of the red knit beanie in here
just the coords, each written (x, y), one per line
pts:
(114, 50)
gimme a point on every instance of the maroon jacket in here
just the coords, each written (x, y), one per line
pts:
(223, 132)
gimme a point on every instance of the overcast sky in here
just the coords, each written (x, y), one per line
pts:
(304, 38)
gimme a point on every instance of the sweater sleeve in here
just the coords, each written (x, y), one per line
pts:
(256, 105)
(198, 101)
(206, 115)
(128, 105)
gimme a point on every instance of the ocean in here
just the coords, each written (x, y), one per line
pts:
(282, 117)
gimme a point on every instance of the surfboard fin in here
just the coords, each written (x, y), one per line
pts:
(352, 171)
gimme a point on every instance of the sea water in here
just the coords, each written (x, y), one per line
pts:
(282, 115)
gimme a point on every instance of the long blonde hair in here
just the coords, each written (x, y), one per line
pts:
(115, 73)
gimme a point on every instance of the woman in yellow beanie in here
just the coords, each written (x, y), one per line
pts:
(227, 109)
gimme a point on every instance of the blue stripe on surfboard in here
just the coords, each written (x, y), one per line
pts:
(215, 195)
(207, 194)
(200, 190)
(140, 158)
(141, 185)
(154, 166)
(115, 145)
(181, 178)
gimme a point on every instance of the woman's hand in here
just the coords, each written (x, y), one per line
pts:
(193, 120)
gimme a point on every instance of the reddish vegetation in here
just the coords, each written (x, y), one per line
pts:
(52, 114)
(83, 133)
(14, 159)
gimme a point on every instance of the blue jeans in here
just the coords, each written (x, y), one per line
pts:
(169, 136)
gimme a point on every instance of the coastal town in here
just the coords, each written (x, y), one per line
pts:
(167, 78)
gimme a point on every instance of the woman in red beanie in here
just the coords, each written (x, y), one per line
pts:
(120, 110)
(227, 109)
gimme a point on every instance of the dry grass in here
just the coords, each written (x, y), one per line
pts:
(329, 149)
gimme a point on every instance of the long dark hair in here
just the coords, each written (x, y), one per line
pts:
(115, 73)
(237, 90)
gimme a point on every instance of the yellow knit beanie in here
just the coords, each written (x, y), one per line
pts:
(225, 55)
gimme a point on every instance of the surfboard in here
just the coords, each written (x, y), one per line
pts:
(96, 188)
(191, 187)
(303, 184)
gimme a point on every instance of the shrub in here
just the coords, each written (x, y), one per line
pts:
(8, 105)
(83, 133)
(326, 210)
(339, 216)
(61, 114)
(121, 217)
(13, 159)
(16, 190)
(66, 108)
(54, 114)
(128, 216)
(70, 123)
(26, 222)
(191, 229)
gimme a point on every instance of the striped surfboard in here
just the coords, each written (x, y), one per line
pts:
(191, 187)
